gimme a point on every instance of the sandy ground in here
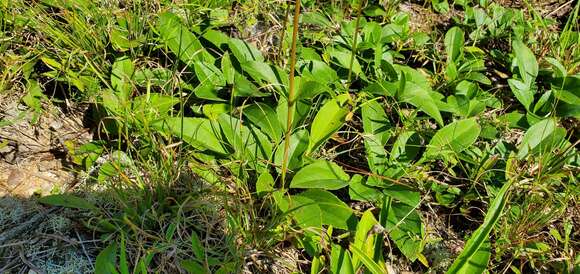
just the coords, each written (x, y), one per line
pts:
(34, 161)
(33, 157)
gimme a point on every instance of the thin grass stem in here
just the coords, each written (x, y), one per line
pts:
(354, 43)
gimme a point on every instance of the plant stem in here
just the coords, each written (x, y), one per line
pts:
(291, 94)
(354, 42)
(281, 45)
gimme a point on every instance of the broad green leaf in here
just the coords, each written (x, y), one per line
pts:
(382, 88)
(543, 104)
(454, 40)
(244, 140)
(192, 266)
(479, 261)
(440, 6)
(316, 18)
(343, 58)
(301, 112)
(327, 121)
(316, 207)
(243, 87)
(269, 75)
(67, 200)
(227, 68)
(466, 88)
(244, 51)
(298, 145)
(316, 265)
(558, 68)
(111, 102)
(340, 261)
(406, 147)
(405, 229)
(198, 132)
(478, 77)
(320, 174)
(213, 111)
(197, 247)
(451, 71)
(568, 96)
(318, 71)
(157, 77)
(475, 255)
(152, 106)
(121, 77)
(541, 138)
(210, 80)
(53, 64)
(523, 92)
(526, 61)
(359, 191)
(568, 110)
(121, 41)
(376, 128)
(207, 72)
(107, 260)
(180, 40)
(33, 99)
(515, 120)
(309, 89)
(215, 37)
(264, 117)
(418, 96)
(402, 193)
(227, 268)
(418, 77)
(454, 138)
(365, 238)
(207, 90)
(264, 184)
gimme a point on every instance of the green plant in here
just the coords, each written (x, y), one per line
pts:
(378, 146)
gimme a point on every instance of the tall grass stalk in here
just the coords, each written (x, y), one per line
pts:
(291, 92)
(354, 42)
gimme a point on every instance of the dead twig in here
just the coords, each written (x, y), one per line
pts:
(28, 263)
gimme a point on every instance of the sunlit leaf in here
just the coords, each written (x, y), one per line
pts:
(340, 260)
(320, 174)
(475, 255)
(315, 207)
(198, 132)
(454, 137)
(454, 41)
(418, 96)
(327, 121)
(180, 40)
(67, 200)
(405, 229)
(541, 138)
(526, 61)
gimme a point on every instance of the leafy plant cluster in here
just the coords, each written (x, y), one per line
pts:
(404, 123)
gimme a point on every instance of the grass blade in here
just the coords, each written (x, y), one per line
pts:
(472, 254)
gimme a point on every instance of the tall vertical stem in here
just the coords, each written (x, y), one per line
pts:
(291, 92)
(354, 42)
